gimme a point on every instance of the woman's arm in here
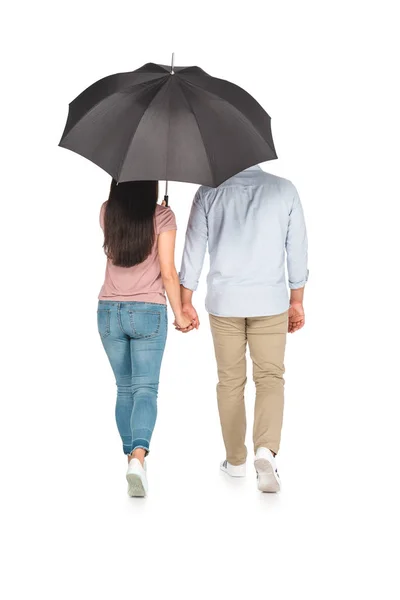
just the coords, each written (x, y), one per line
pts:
(166, 251)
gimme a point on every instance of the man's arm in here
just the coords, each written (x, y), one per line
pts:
(193, 256)
(296, 250)
(296, 310)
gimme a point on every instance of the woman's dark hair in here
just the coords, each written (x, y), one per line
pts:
(129, 222)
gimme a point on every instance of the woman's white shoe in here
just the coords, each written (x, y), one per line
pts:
(137, 479)
(267, 473)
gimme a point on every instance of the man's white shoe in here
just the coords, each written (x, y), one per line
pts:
(136, 478)
(233, 470)
(267, 473)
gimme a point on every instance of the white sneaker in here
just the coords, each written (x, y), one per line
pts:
(136, 478)
(233, 470)
(267, 473)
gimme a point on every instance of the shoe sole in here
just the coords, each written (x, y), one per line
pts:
(267, 480)
(136, 489)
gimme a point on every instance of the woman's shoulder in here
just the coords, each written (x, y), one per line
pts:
(165, 218)
(164, 213)
(163, 210)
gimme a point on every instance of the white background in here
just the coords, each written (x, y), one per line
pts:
(327, 74)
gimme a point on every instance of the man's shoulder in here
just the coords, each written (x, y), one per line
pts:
(203, 193)
(204, 189)
(283, 184)
(259, 177)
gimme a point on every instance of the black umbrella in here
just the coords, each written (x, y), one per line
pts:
(166, 123)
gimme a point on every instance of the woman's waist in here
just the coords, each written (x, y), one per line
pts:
(114, 303)
(114, 289)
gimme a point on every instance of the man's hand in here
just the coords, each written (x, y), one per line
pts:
(190, 312)
(296, 317)
(183, 323)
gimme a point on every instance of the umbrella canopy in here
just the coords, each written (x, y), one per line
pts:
(163, 123)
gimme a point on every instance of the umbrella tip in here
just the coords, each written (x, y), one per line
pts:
(172, 63)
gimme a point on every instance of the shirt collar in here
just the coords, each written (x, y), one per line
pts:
(254, 168)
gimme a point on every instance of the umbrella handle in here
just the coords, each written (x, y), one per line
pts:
(166, 194)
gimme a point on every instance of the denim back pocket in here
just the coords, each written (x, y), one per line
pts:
(103, 321)
(144, 323)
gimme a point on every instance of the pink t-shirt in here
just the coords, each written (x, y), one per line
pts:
(141, 283)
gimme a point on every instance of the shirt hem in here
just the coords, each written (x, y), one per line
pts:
(247, 302)
(249, 315)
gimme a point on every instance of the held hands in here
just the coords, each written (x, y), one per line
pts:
(296, 317)
(188, 320)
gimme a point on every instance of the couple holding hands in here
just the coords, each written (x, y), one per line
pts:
(253, 225)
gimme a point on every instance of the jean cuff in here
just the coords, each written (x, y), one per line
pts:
(127, 448)
(140, 443)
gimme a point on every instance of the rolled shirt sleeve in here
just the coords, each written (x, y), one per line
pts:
(195, 245)
(297, 246)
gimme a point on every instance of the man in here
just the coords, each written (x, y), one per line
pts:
(249, 222)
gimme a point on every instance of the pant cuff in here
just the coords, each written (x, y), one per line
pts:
(235, 461)
(273, 447)
(140, 443)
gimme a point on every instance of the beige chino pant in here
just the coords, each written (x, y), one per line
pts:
(266, 337)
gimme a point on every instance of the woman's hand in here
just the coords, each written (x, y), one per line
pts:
(183, 323)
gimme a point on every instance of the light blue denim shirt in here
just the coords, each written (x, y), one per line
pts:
(253, 223)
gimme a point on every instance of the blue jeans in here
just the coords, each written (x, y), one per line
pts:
(134, 336)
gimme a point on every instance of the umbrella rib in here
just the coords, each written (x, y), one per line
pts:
(198, 127)
(146, 84)
(134, 133)
(190, 83)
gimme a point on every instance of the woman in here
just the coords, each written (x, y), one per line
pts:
(139, 241)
